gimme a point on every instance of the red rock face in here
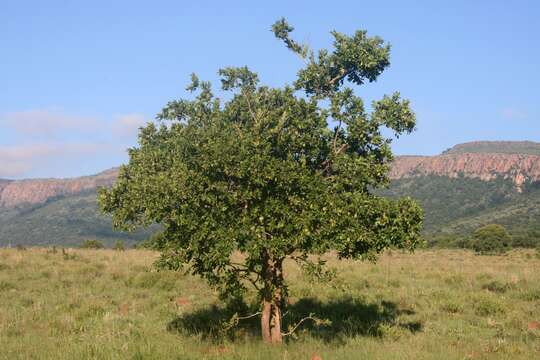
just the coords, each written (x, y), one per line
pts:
(517, 167)
(18, 192)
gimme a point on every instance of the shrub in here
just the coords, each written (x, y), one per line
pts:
(449, 241)
(156, 241)
(92, 244)
(119, 245)
(523, 241)
(487, 307)
(452, 307)
(146, 280)
(491, 239)
(531, 295)
(498, 287)
(67, 256)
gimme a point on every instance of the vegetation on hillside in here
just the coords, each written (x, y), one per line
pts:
(65, 221)
(456, 207)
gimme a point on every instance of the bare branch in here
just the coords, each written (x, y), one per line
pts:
(336, 133)
(310, 317)
(249, 316)
(250, 108)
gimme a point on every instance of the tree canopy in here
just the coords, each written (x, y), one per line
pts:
(491, 239)
(240, 185)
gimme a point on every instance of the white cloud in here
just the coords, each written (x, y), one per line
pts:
(46, 139)
(48, 123)
(18, 160)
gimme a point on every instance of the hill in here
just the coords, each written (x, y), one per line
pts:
(16, 193)
(470, 185)
(459, 205)
(519, 168)
(496, 147)
(65, 220)
(57, 211)
(474, 184)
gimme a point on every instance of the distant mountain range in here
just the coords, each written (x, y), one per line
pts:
(466, 186)
(474, 184)
(57, 211)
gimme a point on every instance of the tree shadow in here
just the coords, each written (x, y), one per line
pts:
(346, 318)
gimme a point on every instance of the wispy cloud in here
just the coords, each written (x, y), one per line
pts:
(20, 159)
(48, 122)
(43, 138)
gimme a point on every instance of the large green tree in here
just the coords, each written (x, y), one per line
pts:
(241, 185)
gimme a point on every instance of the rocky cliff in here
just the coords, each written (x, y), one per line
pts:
(21, 192)
(485, 166)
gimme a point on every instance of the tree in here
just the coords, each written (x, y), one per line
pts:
(491, 239)
(241, 185)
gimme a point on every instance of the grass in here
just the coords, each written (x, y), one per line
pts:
(105, 304)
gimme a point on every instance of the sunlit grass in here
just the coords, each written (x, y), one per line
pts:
(105, 304)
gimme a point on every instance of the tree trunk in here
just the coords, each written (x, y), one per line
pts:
(277, 302)
(265, 321)
(272, 300)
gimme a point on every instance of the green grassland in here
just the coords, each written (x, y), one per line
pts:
(105, 304)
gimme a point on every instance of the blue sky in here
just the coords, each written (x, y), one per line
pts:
(78, 77)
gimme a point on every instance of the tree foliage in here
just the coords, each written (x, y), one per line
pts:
(272, 173)
(92, 244)
(491, 239)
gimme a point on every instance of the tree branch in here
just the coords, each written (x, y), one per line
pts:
(310, 317)
(249, 107)
(341, 75)
(249, 316)
(336, 136)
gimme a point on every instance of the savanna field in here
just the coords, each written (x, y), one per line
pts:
(106, 304)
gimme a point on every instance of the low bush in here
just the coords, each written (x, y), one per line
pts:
(487, 307)
(119, 245)
(498, 287)
(491, 239)
(92, 244)
(452, 307)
